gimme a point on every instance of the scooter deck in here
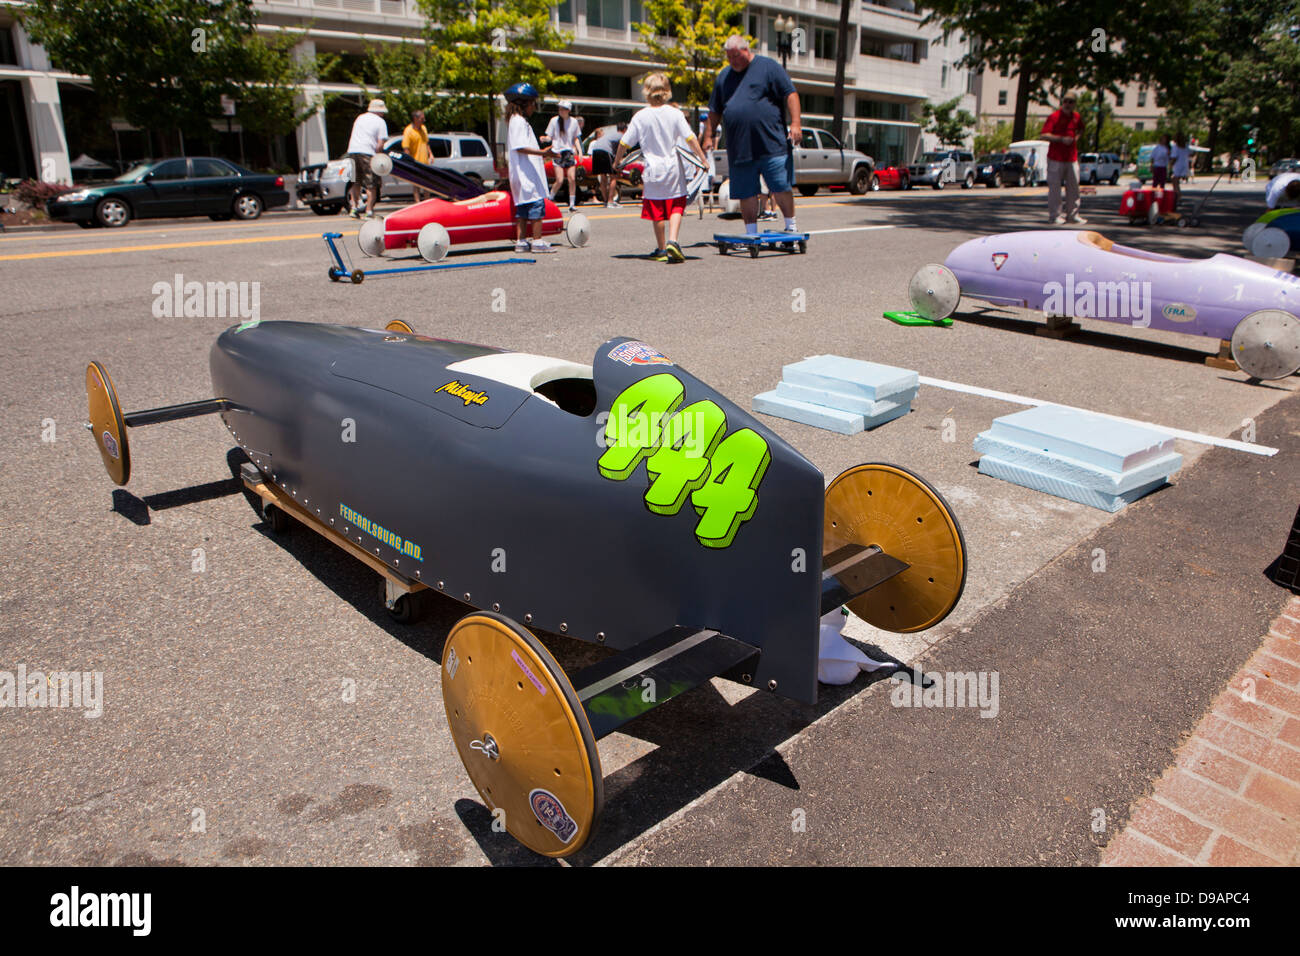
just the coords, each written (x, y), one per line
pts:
(785, 241)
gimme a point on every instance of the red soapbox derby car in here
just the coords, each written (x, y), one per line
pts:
(461, 211)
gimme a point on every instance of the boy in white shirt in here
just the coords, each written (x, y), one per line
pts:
(528, 189)
(659, 129)
(368, 134)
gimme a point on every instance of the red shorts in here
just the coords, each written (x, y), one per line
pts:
(658, 210)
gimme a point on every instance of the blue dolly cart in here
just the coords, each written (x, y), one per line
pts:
(786, 241)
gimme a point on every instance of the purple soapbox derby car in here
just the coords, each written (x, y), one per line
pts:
(1084, 275)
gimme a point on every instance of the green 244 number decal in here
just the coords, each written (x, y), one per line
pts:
(686, 456)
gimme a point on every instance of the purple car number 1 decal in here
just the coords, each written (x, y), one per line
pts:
(686, 456)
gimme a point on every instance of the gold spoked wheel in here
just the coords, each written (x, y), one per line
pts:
(106, 425)
(397, 325)
(889, 507)
(522, 733)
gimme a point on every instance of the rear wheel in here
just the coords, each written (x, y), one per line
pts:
(861, 181)
(327, 208)
(1114, 179)
(969, 181)
(807, 189)
(247, 206)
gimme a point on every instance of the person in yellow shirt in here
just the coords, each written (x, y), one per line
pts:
(415, 143)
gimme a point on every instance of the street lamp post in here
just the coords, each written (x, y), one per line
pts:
(784, 32)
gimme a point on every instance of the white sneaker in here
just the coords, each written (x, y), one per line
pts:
(1076, 221)
(521, 246)
(540, 245)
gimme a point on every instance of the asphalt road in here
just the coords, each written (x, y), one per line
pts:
(224, 688)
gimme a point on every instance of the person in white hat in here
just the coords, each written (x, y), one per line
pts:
(368, 134)
(564, 133)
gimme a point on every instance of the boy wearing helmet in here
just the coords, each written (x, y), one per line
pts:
(528, 186)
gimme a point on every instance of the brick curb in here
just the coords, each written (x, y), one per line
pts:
(1232, 795)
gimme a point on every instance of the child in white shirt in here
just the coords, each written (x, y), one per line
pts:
(659, 129)
(528, 189)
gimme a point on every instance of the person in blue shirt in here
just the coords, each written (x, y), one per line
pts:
(755, 100)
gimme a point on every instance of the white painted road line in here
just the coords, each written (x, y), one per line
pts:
(1197, 437)
(822, 232)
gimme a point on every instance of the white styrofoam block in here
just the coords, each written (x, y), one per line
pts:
(1070, 469)
(867, 380)
(872, 421)
(1062, 488)
(842, 400)
(832, 419)
(1094, 439)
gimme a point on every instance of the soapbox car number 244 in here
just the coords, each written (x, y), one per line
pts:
(686, 456)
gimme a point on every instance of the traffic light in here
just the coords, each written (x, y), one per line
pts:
(1251, 140)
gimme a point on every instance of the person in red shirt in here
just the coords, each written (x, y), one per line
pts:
(1062, 134)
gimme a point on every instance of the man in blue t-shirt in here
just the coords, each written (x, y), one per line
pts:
(756, 102)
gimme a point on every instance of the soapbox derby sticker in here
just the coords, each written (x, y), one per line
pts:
(551, 814)
(638, 353)
(998, 259)
(110, 445)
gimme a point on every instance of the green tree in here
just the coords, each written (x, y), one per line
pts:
(947, 122)
(165, 64)
(481, 47)
(407, 77)
(1069, 44)
(687, 37)
(991, 138)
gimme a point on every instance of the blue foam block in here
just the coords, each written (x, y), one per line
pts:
(845, 423)
(844, 401)
(1092, 439)
(848, 376)
(871, 421)
(1070, 469)
(1063, 488)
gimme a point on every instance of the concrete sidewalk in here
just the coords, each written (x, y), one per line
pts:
(1102, 675)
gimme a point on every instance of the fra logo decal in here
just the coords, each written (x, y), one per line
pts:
(465, 393)
(1178, 312)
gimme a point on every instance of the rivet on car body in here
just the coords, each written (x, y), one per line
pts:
(528, 619)
(771, 685)
(496, 606)
(600, 636)
(563, 627)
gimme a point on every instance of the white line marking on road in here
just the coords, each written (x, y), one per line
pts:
(1199, 438)
(822, 232)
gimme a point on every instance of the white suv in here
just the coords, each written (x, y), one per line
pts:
(1099, 167)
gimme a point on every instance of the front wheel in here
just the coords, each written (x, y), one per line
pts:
(247, 206)
(1114, 180)
(938, 184)
(875, 183)
(112, 213)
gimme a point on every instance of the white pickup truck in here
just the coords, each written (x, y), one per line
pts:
(819, 160)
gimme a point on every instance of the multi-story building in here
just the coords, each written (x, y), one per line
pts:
(1136, 106)
(894, 66)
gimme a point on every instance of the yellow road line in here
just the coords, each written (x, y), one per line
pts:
(161, 245)
(162, 230)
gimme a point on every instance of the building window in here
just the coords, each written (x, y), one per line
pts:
(1006, 71)
(1002, 97)
(818, 103)
(1139, 126)
(606, 13)
(1119, 98)
(635, 12)
(888, 48)
(7, 54)
(564, 12)
(824, 43)
(882, 109)
(1142, 97)
(754, 27)
(943, 77)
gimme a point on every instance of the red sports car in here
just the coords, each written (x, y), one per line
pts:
(891, 177)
